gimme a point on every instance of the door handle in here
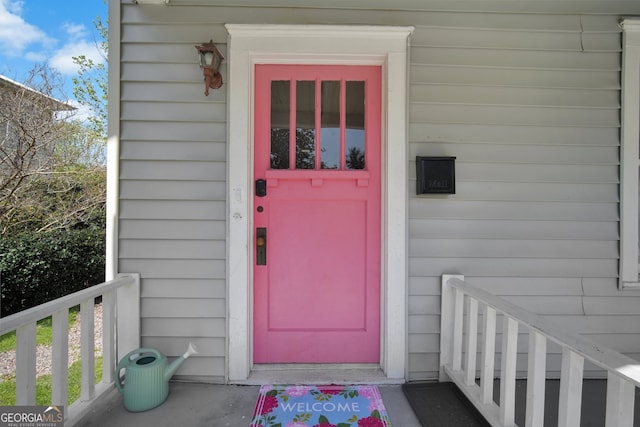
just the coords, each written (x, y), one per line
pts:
(261, 246)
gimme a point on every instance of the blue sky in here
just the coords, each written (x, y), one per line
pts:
(51, 32)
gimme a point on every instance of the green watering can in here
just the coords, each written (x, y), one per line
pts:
(146, 378)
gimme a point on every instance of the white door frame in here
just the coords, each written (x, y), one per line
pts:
(317, 44)
(629, 275)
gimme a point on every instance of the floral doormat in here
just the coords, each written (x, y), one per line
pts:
(319, 406)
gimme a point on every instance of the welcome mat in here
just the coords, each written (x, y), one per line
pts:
(319, 406)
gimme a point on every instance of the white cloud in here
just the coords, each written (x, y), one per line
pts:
(79, 43)
(36, 56)
(15, 33)
(18, 38)
(62, 60)
(75, 30)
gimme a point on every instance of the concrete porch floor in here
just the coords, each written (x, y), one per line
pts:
(212, 405)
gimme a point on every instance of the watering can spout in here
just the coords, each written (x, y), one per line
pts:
(171, 369)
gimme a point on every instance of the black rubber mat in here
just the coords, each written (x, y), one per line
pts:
(442, 405)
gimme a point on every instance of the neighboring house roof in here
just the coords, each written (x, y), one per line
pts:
(36, 114)
(61, 106)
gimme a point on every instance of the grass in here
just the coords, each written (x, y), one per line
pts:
(43, 386)
(43, 332)
(43, 382)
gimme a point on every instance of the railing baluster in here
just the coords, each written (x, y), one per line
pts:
(620, 401)
(488, 355)
(508, 371)
(60, 357)
(570, 389)
(87, 349)
(26, 364)
(472, 341)
(536, 376)
(458, 312)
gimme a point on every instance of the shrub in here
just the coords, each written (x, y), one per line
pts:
(40, 267)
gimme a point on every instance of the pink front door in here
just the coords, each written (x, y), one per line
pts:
(317, 214)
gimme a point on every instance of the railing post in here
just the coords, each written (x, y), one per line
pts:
(488, 355)
(508, 371)
(620, 401)
(87, 349)
(458, 313)
(447, 312)
(60, 357)
(108, 336)
(570, 398)
(472, 341)
(536, 377)
(26, 364)
(128, 317)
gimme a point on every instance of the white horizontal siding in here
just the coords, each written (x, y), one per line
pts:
(497, 59)
(177, 327)
(488, 134)
(173, 131)
(512, 248)
(516, 76)
(532, 117)
(192, 288)
(514, 115)
(171, 209)
(442, 208)
(174, 249)
(519, 267)
(172, 170)
(511, 229)
(529, 96)
(528, 103)
(174, 190)
(146, 228)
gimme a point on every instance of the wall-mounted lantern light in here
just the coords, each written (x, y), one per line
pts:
(210, 61)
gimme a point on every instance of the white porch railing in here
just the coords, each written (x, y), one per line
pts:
(120, 333)
(459, 337)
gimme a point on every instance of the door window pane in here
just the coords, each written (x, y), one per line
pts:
(305, 125)
(354, 134)
(330, 125)
(280, 100)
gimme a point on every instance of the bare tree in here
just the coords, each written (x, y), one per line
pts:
(29, 128)
(46, 157)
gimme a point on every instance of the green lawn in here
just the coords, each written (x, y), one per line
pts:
(43, 386)
(43, 382)
(43, 332)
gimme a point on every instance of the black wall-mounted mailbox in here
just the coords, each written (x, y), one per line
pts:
(436, 175)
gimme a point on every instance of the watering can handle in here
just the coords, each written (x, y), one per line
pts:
(126, 360)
